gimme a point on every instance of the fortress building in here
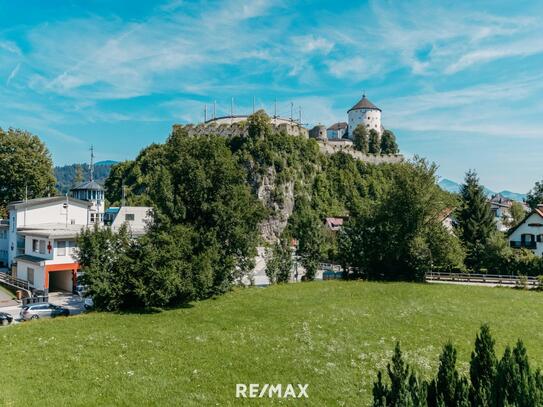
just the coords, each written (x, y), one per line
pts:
(365, 113)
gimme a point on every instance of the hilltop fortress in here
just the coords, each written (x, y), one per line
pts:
(336, 138)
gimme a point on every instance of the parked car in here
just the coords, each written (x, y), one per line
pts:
(44, 310)
(5, 319)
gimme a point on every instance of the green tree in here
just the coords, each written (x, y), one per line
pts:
(308, 229)
(124, 273)
(392, 237)
(279, 262)
(388, 143)
(26, 168)
(517, 215)
(405, 388)
(78, 179)
(449, 388)
(475, 222)
(482, 370)
(535, 195)
(374, 145)
(360, 138)
(258, 125)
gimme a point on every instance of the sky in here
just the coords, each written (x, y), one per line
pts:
(459, 83)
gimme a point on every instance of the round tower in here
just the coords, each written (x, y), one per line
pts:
(365, 113)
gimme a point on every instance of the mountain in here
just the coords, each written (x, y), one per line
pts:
(65, 175)
(106, 162)
(454, 187)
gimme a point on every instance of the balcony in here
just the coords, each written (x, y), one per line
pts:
(515, 244)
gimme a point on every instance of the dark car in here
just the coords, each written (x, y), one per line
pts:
(45, 310)
(5, 319)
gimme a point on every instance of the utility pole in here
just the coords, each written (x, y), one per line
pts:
(205, 113)
(291, 110)
(300, 115)
(26, 202)
(67, 206)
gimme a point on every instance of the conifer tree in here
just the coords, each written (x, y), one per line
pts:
(374, 146)
(483, 369)
(475, 222)
(449, 388)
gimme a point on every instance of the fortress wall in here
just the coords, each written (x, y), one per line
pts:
(346, 147)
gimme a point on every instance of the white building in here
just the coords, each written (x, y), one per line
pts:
(34, 213)
(365, 113)
(529, 233)
(91, 192)
(337, 130)
(137, 218)
(48, 262)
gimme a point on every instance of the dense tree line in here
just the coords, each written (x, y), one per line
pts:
(204, 233)
(68, 176)
(204, 190)
(509, 381)
(373, 143)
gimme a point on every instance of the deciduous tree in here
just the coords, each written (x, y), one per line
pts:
(360, 138)
(26, 168)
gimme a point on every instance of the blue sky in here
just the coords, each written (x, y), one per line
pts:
(459, 84)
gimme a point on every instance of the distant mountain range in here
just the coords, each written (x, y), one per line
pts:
(454, 187)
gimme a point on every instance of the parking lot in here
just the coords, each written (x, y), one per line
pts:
(71, 301)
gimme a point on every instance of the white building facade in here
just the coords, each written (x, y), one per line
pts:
(48, 262)
(366, 114)
(41, 213)
(529, 233)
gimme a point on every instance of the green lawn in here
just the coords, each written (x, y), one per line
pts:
(331, 335)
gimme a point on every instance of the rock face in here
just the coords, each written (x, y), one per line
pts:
(279, 200)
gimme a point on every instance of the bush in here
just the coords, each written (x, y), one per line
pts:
(509, 382)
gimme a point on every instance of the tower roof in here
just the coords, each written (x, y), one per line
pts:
(90, 185)
(364, 103)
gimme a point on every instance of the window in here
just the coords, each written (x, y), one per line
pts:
(35, 245)
(30, 275)
(42, 246)
(129, 217)
(92, 217)
(61, 248)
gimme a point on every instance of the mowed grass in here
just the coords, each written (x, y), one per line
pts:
(331, 335)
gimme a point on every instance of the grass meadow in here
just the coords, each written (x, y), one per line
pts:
(331, 335)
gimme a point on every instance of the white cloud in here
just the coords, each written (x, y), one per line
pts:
(312, 43)
(13, 73)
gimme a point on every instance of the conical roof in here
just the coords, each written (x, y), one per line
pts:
(89, 185)
(364, 103)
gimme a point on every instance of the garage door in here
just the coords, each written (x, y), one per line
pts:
(60, 280)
